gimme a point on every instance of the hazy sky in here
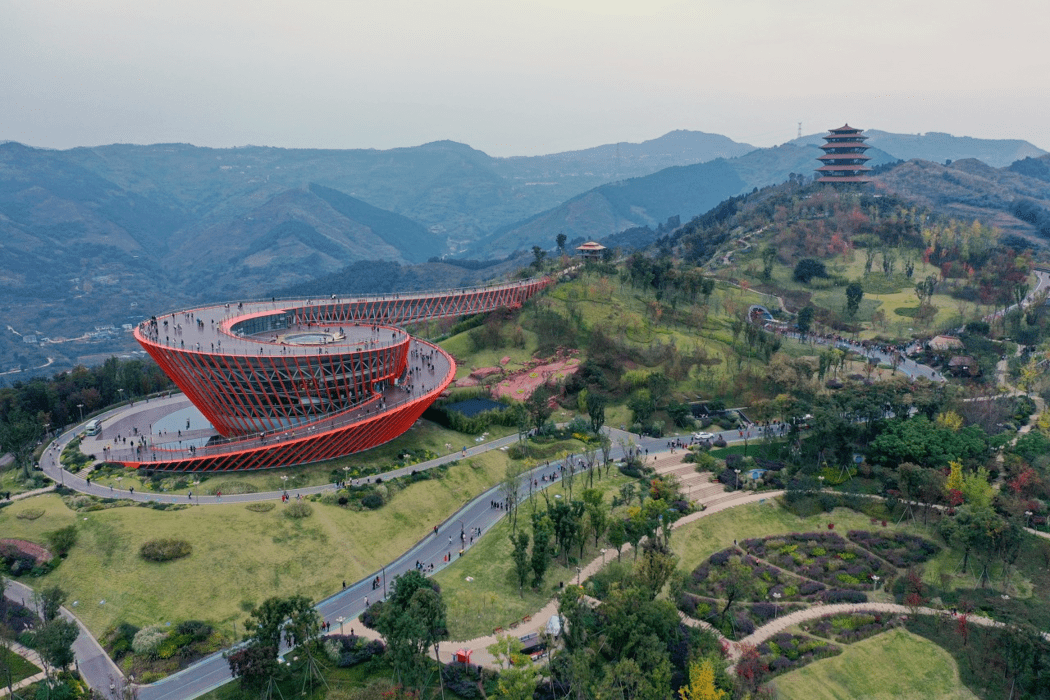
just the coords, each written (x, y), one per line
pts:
(516, 77)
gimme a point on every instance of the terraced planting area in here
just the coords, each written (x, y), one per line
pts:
(744, 586)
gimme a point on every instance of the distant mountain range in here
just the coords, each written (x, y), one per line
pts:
(104, 236)
(938, 147)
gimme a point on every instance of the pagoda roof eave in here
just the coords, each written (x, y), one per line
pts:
(843, 169)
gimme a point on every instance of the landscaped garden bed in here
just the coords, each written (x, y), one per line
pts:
(898, 548)
(767, 580)
(820, 556)
(741, 620)
(847, 628)
(785, 652)
(741, 588)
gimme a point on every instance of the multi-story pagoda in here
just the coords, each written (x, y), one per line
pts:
(844, 159)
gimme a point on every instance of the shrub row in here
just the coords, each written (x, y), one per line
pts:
(165, 549)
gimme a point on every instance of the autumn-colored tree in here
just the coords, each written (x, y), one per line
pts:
(1029, 375)
(955, 476)
(702, 682)
(750, 669)
(963, 628)
(950, 420)
(976, 489)
(1023, 481)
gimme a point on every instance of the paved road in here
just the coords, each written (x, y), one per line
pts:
(94, 664)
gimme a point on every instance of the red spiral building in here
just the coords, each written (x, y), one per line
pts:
(291, 382)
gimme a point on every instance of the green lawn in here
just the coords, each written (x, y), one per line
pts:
(468, 359)
(239, 557)
(895, 665)
(19, 667)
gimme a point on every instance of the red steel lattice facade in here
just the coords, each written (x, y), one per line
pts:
(291, 382)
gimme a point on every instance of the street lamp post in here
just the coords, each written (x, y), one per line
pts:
(81, 407)
(577, 576)
(737, 479)
(776, 607)
(340, 620)
(121, 391)
(603, 556)
(1027, 518)
(821, 482)
(384, 583)
(875, 582)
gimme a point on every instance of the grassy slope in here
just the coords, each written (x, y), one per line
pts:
(894, 666)
(877, 294)
(467, 359)
(491, 600)
(238, 555)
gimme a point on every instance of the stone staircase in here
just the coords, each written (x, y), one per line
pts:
(699, 487)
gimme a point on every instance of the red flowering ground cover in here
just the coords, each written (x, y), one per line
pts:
(40, 554)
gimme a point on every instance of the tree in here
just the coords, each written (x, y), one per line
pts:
(538, 255)
(518, 678)
(560, 240)
(18, 435)
(54, 642)
(265, 621)
(924, 290)
(304, 624)
(596, 410)
(854, 294)
(769, 258)
(804, 320)
(702, 682)
(538, 406)
(509, 489)
(541, 550)
(976, 490)
(50, 600)
(808, 268)
(733, 583)
(605, 444)
(642, 405)
(618, 536)
(254, 664)
(656, 566)
(412, 620)
(520, 541)
(597, 513)
(62, 540)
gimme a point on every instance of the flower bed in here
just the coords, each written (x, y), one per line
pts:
(39, 554)
(897, 548)
(768, 579)
(821, 556)
(742, 619)
(847, 628)
(786, 652)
